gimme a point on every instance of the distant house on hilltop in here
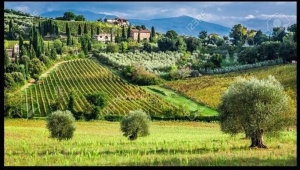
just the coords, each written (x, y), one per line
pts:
(118, 21)
(144, 34)
(103, 37)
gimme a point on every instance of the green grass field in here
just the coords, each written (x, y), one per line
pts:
(178, 99)
(101, 143)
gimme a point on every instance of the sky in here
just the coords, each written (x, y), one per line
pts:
(222, 12)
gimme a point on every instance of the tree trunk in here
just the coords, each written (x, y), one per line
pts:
(257, 139)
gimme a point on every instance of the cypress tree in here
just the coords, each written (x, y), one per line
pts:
(10, 28)
(152, 32)
(139, 37)
(128, 31)
(40, 29)
(92, 31)
(68, 37)
(21, 45)
(67, 29)
(79, 30)
(85, 29)
(57, 30)
(45, 28)
(98, 30)
(123, 33)
(111, 35)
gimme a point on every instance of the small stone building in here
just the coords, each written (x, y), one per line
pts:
(144, 34)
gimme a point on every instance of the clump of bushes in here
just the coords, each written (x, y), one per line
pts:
(61, 125)
(139, 75)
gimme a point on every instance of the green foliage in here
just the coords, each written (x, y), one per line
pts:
(171, 34)
(192, 44)
(61, 125)
(99, 99)
(238, 33)
(93, 113)
(147, 47)
(124, 46)
(278, 33)
(9, 81)
(36, 68)
(139, 75)
(112, 48)
(79, 18)
(135, 124)
(6, 59)
(71, 102)
(251, 105)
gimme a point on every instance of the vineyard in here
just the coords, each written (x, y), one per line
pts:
(207, 90)
(84, 76)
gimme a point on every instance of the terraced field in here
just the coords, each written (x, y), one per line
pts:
(84, 76)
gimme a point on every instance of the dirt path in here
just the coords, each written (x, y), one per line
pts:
(41, 76)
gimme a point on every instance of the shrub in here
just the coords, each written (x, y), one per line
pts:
(61, 125)
(135, 124)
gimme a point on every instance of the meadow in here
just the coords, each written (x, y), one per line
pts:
(170, 143)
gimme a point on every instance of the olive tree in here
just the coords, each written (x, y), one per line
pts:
(61, 125)
(135, 124)
(255, 107)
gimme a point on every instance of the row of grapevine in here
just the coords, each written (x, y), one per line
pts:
(85, 76)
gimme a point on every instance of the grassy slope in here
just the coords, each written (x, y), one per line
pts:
(178, 99)
(99, 143)
(208, 89)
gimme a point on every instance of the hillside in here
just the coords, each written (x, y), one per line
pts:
(208, 89)
(85, 76)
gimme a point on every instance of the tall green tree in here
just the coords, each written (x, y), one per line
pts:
(98, 30)
(92, 31)
(67, 28)
(128, 31)
(21, 41)
(171, 34)
(203, 37)
(278, 33)
(123, 33)
(69, 37)
(85, 31)
(293, 28)
(153, 32)
(69, 16)
(139, 37)
(79, 18)
(79, 30)
(259, 38)
(239, 34)
(111, 35)
(10, 27)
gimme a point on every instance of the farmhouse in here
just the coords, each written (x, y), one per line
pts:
(144, 34)
(103, 37)
(118, 21)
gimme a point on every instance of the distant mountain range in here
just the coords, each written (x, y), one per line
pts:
(90, 16)
(183, 25)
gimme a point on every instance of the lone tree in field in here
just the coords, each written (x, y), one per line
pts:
(61, 125)
(255, 107)
(135, 124)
